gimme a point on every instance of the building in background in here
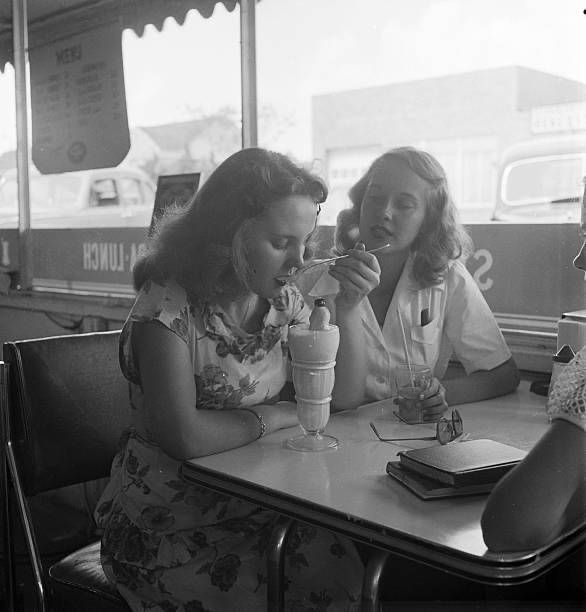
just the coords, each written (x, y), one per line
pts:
(466, 120)
(198, 145)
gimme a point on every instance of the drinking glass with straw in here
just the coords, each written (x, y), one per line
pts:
(412, 381)
(405, 347)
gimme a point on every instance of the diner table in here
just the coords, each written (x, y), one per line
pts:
(347, 490)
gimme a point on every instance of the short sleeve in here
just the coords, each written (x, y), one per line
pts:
(470, 325)
(166, 304)
(567, 399)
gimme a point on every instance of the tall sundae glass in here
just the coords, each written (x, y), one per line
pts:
(313, 351)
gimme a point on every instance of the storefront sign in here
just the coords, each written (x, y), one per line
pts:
(523, 271)
(78, 101)
(101, 258)
(558, 118)
(526, 270)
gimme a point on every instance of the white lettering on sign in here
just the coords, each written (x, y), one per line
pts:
(5, 253)
(558, 118)
(485, 256)
(109, 256)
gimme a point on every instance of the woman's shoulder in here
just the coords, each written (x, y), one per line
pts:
(165, 302)
(457, 268)
(154, 296)
(458, 278)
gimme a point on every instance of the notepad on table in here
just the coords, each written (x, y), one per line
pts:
(474, 462)
(427, 488)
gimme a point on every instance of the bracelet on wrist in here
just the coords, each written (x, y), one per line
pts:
(261, 422)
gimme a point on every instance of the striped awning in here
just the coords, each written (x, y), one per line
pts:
(51, 19)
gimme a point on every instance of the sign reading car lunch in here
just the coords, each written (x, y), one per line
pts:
(101, 258)
(96, 255)
(78, 102)
(109, 256)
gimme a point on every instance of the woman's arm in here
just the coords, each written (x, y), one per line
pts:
(168, 384)
(350, 384)
(477, 341)
(542, 496)
(358, 275)
(482, 384)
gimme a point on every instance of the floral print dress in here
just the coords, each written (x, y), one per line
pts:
(172, 546)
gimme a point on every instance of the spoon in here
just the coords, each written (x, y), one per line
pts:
(289, 277)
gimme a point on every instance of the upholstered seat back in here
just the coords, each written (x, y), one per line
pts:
(69, 406)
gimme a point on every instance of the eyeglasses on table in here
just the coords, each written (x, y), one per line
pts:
(447, 430)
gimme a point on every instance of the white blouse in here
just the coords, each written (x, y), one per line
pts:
(450, 318)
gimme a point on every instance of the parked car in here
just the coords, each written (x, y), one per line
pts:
(106, 197)
(540, 181)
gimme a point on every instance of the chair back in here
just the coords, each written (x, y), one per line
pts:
(68, 405)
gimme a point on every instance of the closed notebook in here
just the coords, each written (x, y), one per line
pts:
(427, 488)
(472, 462)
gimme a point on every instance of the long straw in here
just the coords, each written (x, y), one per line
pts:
(405, 347)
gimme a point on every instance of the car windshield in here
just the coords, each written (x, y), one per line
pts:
(48, 193)
(546, 179)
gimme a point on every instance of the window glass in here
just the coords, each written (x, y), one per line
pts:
(48, 193)
(184, 114)
(545, 180)
(53, 192)
(148, 190)
(184, 111)
(463, 79)
(130, 194)
(104, 193)
(477, 84)
(8, 196)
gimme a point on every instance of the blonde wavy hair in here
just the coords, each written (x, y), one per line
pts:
(441, 239)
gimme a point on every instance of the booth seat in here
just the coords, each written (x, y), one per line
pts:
(64, 405)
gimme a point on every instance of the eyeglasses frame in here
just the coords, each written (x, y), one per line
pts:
(455, 423)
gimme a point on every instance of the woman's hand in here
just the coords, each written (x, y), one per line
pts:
(357, 274)
(432, 402)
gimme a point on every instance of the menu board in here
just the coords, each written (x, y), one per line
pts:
(78, 102)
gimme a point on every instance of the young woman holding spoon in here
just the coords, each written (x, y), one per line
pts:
(403, 202)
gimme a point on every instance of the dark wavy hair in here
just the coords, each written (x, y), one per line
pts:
(441, 238)
(203, 245)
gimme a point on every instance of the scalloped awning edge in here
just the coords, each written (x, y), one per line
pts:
(129, 14)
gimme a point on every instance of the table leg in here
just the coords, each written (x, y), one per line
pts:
(370, 584)
(276, 565)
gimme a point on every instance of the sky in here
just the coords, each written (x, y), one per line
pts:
(311, 47)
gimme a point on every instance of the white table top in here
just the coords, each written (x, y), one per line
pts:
(347, 489)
